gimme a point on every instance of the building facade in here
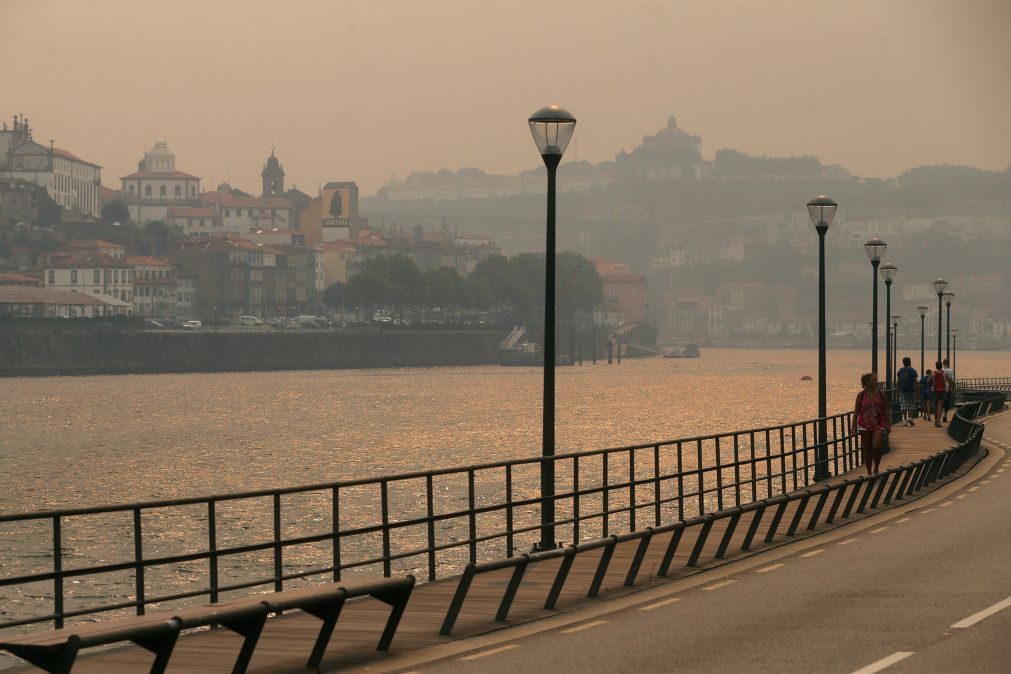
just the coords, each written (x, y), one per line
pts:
(157, 186)
(72, 182)
(90, 272)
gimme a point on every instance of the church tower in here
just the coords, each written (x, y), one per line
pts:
(273, 177)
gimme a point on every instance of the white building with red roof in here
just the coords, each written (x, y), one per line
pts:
(156, 186)
(92, 272)
(72, 182)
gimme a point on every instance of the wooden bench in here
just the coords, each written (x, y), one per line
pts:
(56, 651)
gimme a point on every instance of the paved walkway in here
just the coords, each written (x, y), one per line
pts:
(287, 640)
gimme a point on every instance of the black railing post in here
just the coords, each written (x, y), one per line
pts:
(384, 494)
(335, 522)
(278, 558)
(57, 572)
(138, 558)
(212, 549)
(430, 515)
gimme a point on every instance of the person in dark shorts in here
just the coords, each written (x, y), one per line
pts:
(907, 379)
(925, 393)
(938, 392)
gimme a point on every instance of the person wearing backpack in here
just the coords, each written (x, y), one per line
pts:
(950, 399)
(938, 391)
(906, 378)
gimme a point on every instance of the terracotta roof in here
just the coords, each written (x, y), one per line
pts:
(147, 261)
(91, 244)
(163, 175)
(14, 279)
(29, 295)
(339, 245)
(71, 156)
(616, 272)
(226, 200)
(88, 259)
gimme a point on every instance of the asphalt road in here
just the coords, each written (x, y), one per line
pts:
(926, 591)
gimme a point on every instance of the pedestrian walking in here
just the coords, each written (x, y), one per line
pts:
(938, 392)
(949, 400)
(871, 415)
(925, 393)
(907, 379)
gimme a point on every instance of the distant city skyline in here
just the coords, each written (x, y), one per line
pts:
(365, 90)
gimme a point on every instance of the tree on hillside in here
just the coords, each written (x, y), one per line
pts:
(334, 295)
(157, 233)
(116, 211)
(368, 289)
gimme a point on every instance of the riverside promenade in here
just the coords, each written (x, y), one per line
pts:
(286, 640)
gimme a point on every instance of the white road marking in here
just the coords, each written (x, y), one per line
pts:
(928, 510)
(848, 541)
(665, 602)
(493, 651)
(973, 488)
(769, 568)
(719, 585)
(961, 496)
(584, 626)
(878, 530)
(904, 519)
(884, 663)
(945, 504)
(985, 613)
(812, 553)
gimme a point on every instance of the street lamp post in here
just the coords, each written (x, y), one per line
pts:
(922, 309)
(939, 286)
(954, 351)
(552, 128)
(895, 343)
(888, 272)
(875, 249)
(822, 211)
(948, 296)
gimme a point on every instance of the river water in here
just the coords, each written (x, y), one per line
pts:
(84, 441)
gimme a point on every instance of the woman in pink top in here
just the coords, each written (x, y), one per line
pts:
(871, 415)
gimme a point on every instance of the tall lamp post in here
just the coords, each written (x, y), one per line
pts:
(552, 128)
(939, 286)
(822, 211)
(875, 249)
(922, 309)
(895, 343)
(954, 351)
(948, 297)
(888, 272)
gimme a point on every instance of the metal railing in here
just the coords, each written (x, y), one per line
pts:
(63, 564)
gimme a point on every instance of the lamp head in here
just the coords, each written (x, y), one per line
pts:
(888, 271)
(822, 211)
(939, 285)
(875, 249)
(922, 309)
(948, 296)
(552, 128)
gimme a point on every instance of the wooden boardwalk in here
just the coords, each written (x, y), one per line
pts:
(287, 640)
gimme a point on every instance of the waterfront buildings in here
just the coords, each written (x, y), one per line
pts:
(154, 287)
(72, 182)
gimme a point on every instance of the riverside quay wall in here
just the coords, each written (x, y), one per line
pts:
(41, 352)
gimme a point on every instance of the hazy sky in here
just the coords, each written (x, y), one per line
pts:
(362, 90)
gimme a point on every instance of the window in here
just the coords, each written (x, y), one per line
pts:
(98, 276)
(162, 192)
(193, 191)
(73, 276)
(52, 277)
(129, 190)
(115, 276)
(228, 213)
(179, 192)
(147, 191)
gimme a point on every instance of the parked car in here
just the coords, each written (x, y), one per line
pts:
(276, 322)
(249, 320)
(192, 325)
